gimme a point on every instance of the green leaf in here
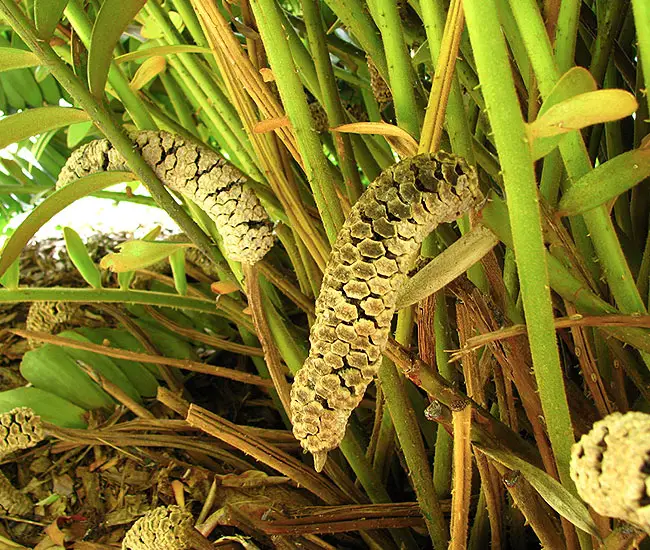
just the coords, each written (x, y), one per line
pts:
(15, 58)
(30, 122)
(138, 374)
(551, 490)
(177, 261)
(606, 182)
(125, 278)
(448, 265)
(139, 254)
(102, 364)
(113, 18)
(76, 133)
(11, 277)
(583, 110)
(50, 368)
(50, 407)
(149, 70)
(56, 202)
(160, 50)
(47, 14)
(575, 81)
(81, 259)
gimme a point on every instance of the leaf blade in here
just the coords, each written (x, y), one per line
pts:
(56, 202)
(113, 18)
(39, 120)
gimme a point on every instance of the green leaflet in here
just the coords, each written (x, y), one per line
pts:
(50, 407)
(50, 368)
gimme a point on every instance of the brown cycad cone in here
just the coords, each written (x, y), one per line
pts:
(611, 467)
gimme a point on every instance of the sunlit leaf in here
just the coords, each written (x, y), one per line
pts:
(14, 58)
(583, 110)
(606, 182)
(552, 491)
(30, 122)
(81, 259)
(224, 287)
(160, 50)
(113, 18)
(56, 202)
(77, 132)
(149, 70)
(139, 254)
(177, 262)
(47, 14)
(11, 277)
(399, 139)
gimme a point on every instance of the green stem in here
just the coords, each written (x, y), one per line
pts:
(566, 33)
(400, 71)
(330, 96)
(642, 21)
(576, 160)
(106, 295)
(410, 438)
(319, 171)
(501, 101)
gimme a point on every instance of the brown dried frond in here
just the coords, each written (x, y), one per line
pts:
(197, 173)
(610, 467)
(370, 259)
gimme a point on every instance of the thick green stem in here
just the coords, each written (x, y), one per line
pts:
(501, 101)
(400, 71)
(319, 171)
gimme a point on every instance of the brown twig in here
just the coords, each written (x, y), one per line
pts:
(184, 364)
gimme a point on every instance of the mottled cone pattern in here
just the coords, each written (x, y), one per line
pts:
(197, 173)
(373, 252)
(379, 86)
(20, 429)
(611, 467)
(50, 317)
(163, 528)
(319, 116)
(12, 501)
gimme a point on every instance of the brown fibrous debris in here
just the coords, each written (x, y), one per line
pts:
(163, 528)
(611, 467)
(370, 259)
(380, 88)
(199, 174)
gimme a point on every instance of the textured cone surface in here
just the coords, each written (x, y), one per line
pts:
(50, 317)
(373, 252)
(12, 501)
(164, 528)
(380, 88)
(611, 467)
(197, 173)
(20, 429)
